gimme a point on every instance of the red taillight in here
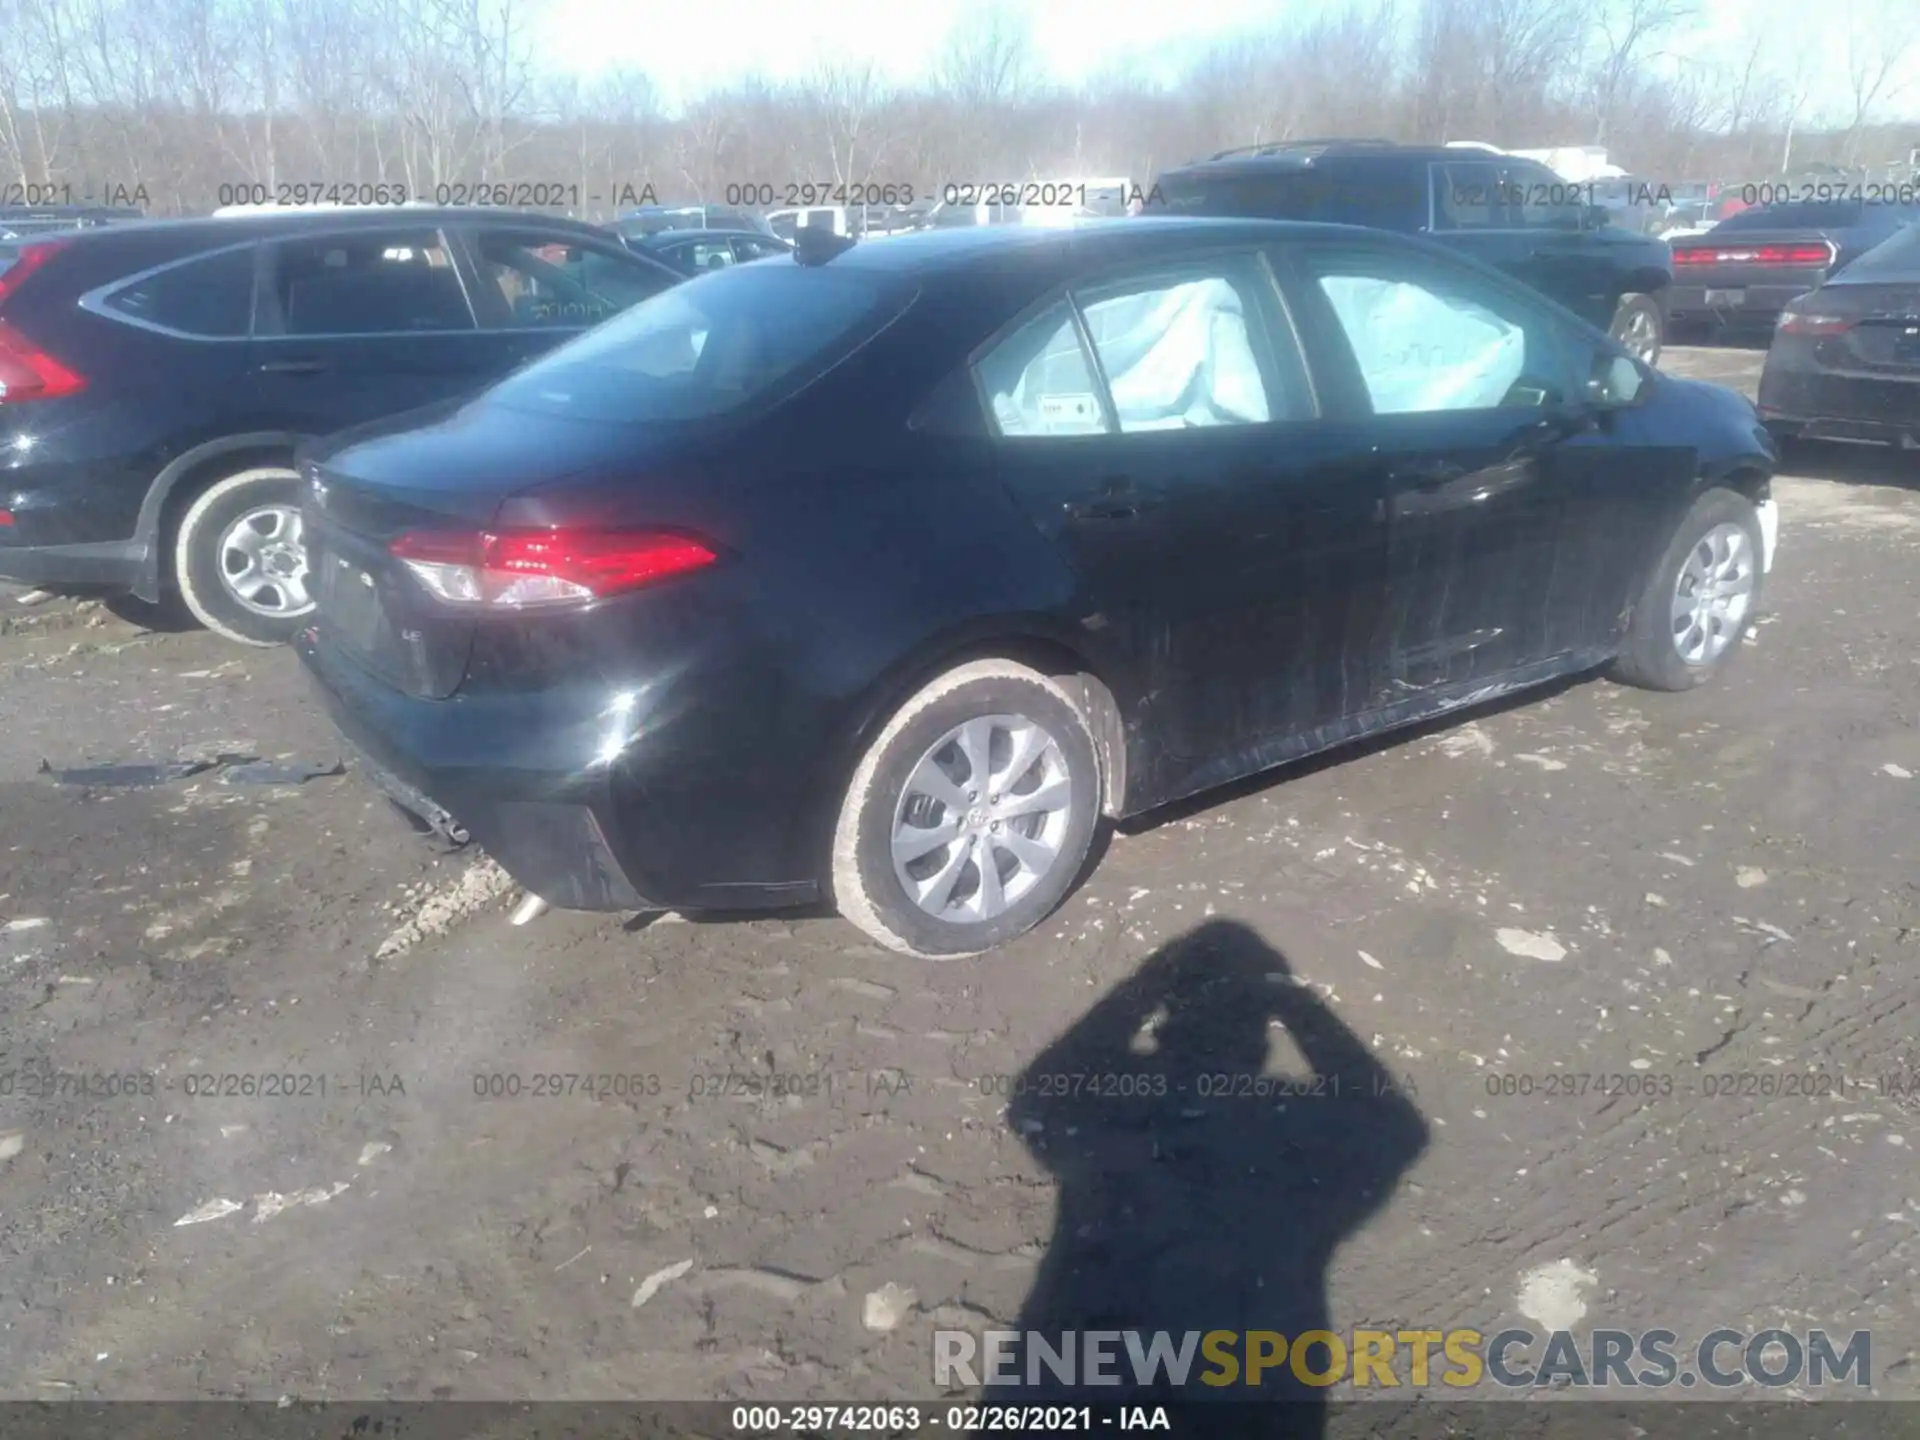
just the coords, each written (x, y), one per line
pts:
(1800, 255)
(28, 373)
(519, 569)
(1795, 322)
(6, 517)
(26, 260)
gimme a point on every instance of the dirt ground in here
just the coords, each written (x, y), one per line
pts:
(777, 1120)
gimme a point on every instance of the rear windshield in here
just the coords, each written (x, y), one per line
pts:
(1799, 215)
(710, 348)
(1895, 259)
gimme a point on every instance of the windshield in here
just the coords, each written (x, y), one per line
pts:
(710, 348)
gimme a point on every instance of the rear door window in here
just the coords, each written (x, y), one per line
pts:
(532, 279)
(209, 298)
(1179, 349)
(376, 282)
(1470, 196)
(1541, 200)
(727, 342)
(1039, 380)
(1188, 349)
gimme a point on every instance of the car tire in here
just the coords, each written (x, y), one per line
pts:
(210, 543)
(990, 708)
(1663, 648)
(1639, 326)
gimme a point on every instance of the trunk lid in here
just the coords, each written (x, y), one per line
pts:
(1884, 338)
(447, 469)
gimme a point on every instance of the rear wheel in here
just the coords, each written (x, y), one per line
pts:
(1638, 327)
(970, 815)
(1700, 600)
(240, 558)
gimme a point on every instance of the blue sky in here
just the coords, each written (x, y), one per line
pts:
(691, 47)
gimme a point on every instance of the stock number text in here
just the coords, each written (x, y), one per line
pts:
(767, 195)
(1832, 192)
(311, 192)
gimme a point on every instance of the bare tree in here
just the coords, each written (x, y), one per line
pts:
(188, 97)
(848, 104)
(1627, 28)
(1880, 39)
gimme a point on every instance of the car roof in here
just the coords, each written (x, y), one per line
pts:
(236, 229)
(1309, 154)
(1076, 246)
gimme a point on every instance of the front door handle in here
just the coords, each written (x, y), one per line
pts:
(295, 367)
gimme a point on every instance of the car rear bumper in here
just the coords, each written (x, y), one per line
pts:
(1758, 307)
(1798, 401)
(525, 776)
(1853, 432)
(113, 565)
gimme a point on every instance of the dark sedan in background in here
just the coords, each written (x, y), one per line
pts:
(884, 573)
(1845, 359)
(1739, 276)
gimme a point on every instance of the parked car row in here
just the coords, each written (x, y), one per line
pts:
(877, 573)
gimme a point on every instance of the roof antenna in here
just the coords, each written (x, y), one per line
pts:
(817, 245)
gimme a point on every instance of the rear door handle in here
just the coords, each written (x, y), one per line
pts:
(1429, 476)
(295, 367)
(1118, 505)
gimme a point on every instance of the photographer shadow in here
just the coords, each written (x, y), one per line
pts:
(1197, 1192)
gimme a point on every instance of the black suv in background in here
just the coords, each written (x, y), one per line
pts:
(156, 379)
(1512, 213)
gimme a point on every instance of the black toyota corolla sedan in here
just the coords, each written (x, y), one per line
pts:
(883, 573)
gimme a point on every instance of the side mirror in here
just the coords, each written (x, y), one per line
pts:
(1615, 383)
(1598, 217)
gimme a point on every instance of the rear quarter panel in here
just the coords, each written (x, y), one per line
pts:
(149, 399)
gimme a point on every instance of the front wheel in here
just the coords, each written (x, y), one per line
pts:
(970, 815)
(1637, 326)
(1700, 599)
(240, 558)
